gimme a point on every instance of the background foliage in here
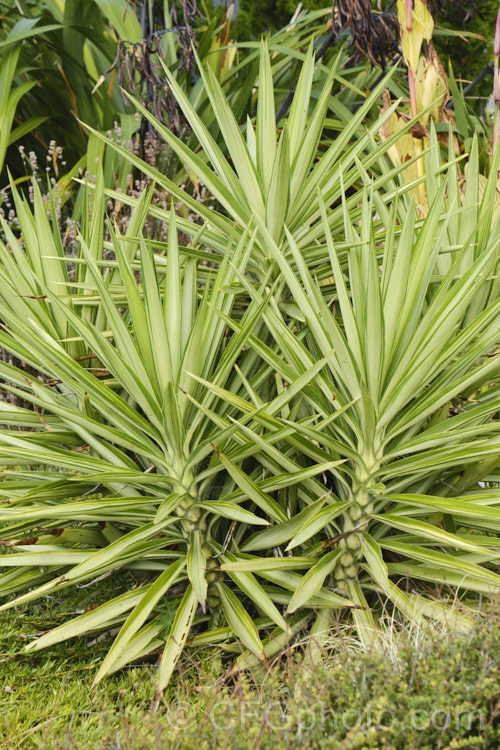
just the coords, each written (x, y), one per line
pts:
(469, 56)
(263, 15)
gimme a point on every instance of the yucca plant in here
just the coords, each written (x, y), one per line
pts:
(355, 420)
(408, 397)
(342, 394)
(33, 258)
(134, 462)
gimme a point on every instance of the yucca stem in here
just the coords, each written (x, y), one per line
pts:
(358, 514)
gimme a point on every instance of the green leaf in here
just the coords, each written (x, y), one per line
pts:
(261, 499)
(313, 580)
(317, 523)
(151, 596)
(258, 564)
(272, 645)
(247, 583)
(282, 532)
(196, 564)
(177, 637)
(233, 512)
(94, 620)
(239, 620)
(427, 531)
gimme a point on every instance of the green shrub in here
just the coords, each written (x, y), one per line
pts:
(440, 692)
(258, 16)
(329, 371)
(469, 56)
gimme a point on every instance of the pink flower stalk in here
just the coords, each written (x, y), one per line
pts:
(496, 85)
(409, 19)
(411, 75)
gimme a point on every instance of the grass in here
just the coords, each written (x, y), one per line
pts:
(48, 694)
(420, 692)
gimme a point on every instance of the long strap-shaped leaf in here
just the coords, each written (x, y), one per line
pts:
(177, 637)
(247, 583)
(239, 620)
(313, 580)
(139, 615)
(96, 619)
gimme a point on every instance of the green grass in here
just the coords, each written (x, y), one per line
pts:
(48, 695)
(422, 692)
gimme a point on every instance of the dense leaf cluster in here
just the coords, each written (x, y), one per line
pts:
(283, 411)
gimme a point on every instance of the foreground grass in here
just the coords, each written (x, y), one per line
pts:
(442, 692)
